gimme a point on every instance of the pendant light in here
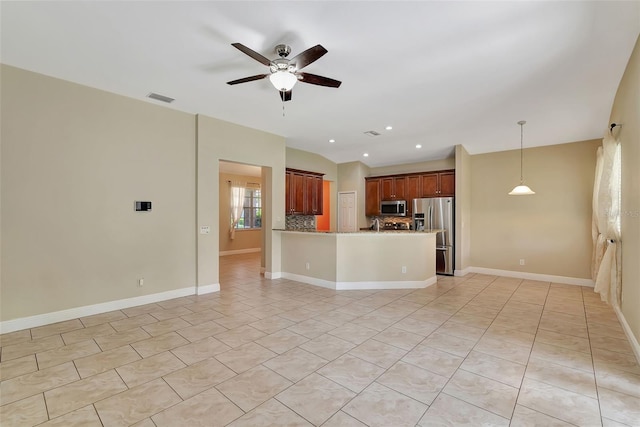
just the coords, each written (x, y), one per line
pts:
(521, 190)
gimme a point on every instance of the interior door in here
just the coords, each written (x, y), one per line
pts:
(347, 214)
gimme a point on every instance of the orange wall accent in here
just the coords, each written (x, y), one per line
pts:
(323, 221)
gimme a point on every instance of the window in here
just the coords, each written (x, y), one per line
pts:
(252, 210)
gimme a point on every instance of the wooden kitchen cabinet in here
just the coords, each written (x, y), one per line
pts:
(438, 184)
(313, 194)
(303, 195)
(392, 188)
(372, 196)
(412, 191)
(407, 187)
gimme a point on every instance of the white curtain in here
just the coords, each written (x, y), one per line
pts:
(237, 205)
(606, 266)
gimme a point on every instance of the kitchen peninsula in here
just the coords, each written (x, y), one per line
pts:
(359, 260)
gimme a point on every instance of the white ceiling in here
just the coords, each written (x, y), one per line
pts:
(441, 73)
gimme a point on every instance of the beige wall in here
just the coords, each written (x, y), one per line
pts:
(626, 110)
(74, 160)
(304, 160)
(317, 249)
(220, 140)
(432, 165)
(351, 178)
(380, 257)
(244, 239)
(550, 230)
(463, 209)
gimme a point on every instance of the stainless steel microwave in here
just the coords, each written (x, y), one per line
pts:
(394, 208)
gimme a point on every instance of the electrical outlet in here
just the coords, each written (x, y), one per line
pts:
(522, 261)
(140, 283)
(404, 269)
(307, 266)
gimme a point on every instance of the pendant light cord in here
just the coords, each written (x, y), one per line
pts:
(521, 154)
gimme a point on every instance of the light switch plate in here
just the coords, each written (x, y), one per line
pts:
(204, 229)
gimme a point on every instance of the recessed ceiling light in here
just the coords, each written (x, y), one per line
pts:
(366, 154)
(418, 146)
(332, 141)
(389, 127)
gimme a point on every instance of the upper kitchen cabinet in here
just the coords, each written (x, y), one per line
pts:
(372, 196)
(303, 192)
(313, 194)
(392, 188)
(412, 191)
(438, 184)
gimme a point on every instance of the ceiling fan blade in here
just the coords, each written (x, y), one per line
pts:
(308, 56)
(252, 53)
(285, 95)
(318, 80)
(247, 79)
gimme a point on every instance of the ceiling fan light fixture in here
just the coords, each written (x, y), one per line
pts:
(283, 80)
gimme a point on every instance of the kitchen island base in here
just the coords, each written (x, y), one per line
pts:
(353, 261)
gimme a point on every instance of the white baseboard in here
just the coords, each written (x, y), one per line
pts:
(344, 286)
(207, 289)
(273, 275)
(240, 251)
(461, 273)
(415, 284)
(89, 310)
(532, 276)
(633, 341)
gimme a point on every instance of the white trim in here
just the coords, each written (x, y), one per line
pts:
(344, 286)
(532, 276)
(415, 284)
(461, 273)
(240, 251)
(270, 275)
(88, 310)
(207, 289)
(629, 333)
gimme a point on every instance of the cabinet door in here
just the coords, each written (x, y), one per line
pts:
(372, 197)
(412, 191)
(447, 184)
(429, 185)
(387, 189)
(297, 194)
(287, 192)
(313, 195)
(399, 188)
(319, 195)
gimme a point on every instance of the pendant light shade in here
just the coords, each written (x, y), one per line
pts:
(283, 80)
(522, 189)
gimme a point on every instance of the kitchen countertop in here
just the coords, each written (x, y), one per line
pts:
(365, 231)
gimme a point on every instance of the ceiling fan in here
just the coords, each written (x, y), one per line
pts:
(284, 73)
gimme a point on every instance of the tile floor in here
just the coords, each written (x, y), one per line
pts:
(477, 350)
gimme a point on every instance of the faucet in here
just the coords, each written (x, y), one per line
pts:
(376, 224)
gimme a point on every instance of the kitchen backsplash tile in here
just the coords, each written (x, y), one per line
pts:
(300, 222)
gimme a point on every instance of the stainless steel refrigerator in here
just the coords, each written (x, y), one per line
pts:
(437, 213)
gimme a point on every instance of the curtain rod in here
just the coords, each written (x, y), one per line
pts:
(614, 125)
(253, 183)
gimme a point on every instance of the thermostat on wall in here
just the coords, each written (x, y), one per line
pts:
(143, 206)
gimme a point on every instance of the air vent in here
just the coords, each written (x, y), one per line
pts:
(371, 133)
(159, 97)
